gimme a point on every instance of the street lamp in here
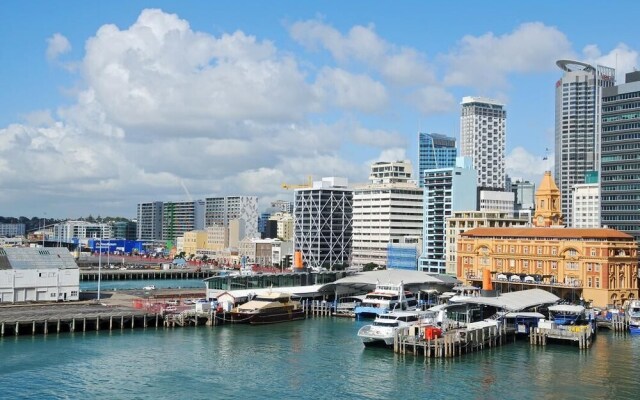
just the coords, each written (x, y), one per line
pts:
(99, 267)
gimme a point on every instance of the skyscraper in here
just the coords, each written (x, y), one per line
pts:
(323, 231)
(149, 218)
(436, 151)
(385, 211)
(445, 190)
(577, 131)
(620, 175)
(483, 127)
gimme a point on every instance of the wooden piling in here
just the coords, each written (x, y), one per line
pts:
(33, 328)
(84, 324)
(17, 332)
(58, 326)
(73, 325)
(2, 330)
(46, 326)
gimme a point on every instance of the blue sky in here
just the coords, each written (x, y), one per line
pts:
(107, 104)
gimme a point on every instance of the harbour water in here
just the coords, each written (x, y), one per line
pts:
(311, 359)
(139, 284)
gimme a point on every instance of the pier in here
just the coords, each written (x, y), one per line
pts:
(418, 340)
(581, 334)
(58, 318)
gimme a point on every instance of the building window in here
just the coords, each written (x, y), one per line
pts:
(499, 249)
(589, 267)
(554, 265)
(589, 281)
(499, 263)
(512, 249)
(525, 263)
(539, 250)
(593, 252)
(572, 266)
(554, 251)
(539, 264)
(468, 246)
(525, 249)
(597, 267)
(74, 293)
(512, 263)
(53, 294)
(572, 252)
(597, 282)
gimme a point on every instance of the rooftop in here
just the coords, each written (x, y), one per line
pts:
(554, 233)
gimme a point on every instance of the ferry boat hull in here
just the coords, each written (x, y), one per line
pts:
(270, 317)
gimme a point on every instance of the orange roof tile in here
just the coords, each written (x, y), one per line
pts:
(555, 233)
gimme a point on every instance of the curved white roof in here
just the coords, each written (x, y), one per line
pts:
(512, 301)
(367, 280)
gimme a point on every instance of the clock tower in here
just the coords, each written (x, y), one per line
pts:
(548, 212)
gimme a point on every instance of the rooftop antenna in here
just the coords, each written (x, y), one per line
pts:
(546, 158)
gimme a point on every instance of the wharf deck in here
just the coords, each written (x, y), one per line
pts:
(50, 318)
(146, 274)
(453, 342)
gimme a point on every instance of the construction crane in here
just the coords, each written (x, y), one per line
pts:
(301, 186)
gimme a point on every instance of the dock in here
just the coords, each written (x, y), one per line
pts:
(583, 335)
(58, 318)
(453, 342)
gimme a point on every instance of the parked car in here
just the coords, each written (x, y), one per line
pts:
(173, 302)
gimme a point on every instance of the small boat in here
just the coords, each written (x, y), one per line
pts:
(345, 307)
(150, 287)
(385, 298)
(634, 316)
(567, 314)
(383, 329)
(268, 308)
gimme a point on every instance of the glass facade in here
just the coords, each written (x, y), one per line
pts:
(436, 151)
(620, 175)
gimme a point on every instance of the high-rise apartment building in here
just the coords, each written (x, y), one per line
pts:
(577, 130)
(323, 223)
(149, 217)
(181, 216)
(620, 173)
(435, 151)
(586, 205)
(221, 210)
(385, 211)
(445, 190)
(483, 128)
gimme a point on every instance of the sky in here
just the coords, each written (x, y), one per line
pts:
(107, 104)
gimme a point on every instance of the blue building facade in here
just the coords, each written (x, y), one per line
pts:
(117, 246)
(435, 151)
(445, 190)
(402, 256)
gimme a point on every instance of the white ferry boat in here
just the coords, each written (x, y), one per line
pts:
(383, 329)
(385, 298)
(634, 316)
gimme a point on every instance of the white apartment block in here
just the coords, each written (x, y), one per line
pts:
(391, 172)
(483, 127)
(586, 205)
(81, 230)
(461, 221)
(492, 200)
(222, 210)
(284, 223)
(384, 214)
(11, 230)
(149, 221)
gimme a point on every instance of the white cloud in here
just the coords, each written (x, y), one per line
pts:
(520, 163)
(56, 46)
(433, 100)
(399, 65)
(377, 138)
(485, 61)
(350, 91)
(622, 58)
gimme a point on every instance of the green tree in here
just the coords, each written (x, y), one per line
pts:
(370, 266)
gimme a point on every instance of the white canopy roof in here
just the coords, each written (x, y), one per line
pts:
(512, 301)
(366, 281)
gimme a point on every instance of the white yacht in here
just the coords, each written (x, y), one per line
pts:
(634, 316)
(383, 329)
